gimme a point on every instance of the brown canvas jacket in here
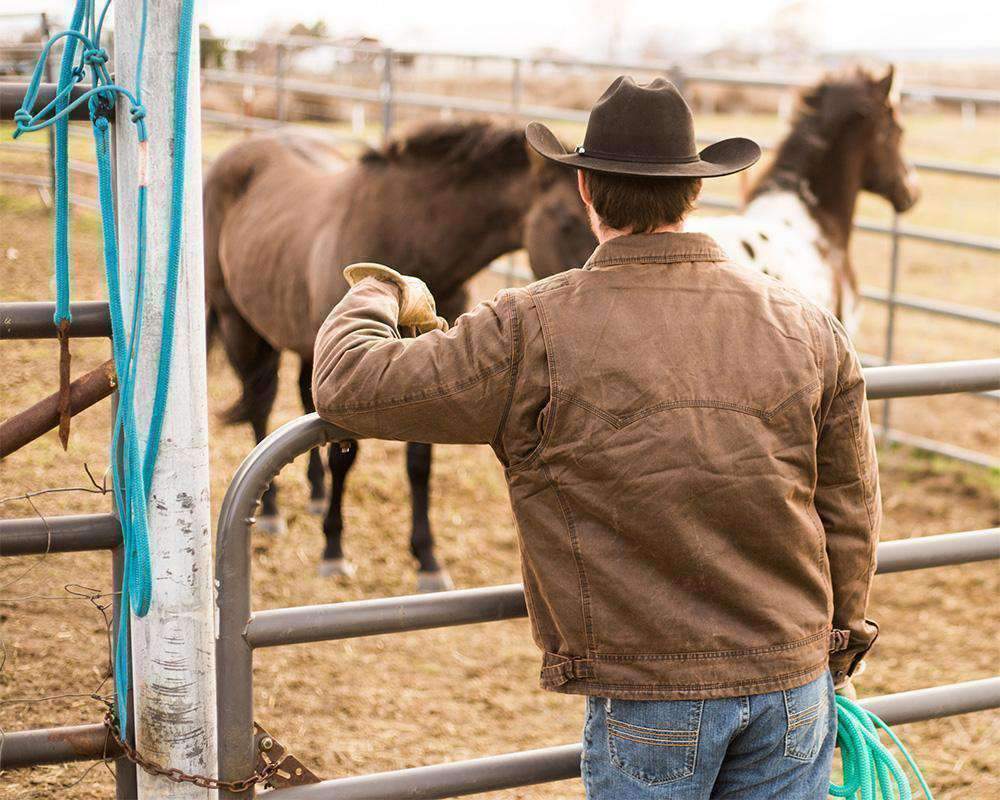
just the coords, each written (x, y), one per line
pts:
(689, 454)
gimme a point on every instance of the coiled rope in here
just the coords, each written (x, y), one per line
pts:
(133, 468)
(870, 771)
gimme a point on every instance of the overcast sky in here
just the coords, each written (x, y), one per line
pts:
(584, 27)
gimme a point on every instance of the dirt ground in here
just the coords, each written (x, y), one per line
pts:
(390, 702)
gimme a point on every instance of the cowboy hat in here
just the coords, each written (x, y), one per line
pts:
(646, 130)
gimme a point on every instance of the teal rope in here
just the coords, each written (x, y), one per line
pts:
(133, 470)
(870, 771)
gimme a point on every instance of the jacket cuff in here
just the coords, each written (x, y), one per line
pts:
(846, 663)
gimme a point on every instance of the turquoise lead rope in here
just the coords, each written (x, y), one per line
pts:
(870, 771)
(133, 469)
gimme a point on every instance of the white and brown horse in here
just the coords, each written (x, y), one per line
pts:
(797, 221)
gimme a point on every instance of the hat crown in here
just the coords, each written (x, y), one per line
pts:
(649, 123)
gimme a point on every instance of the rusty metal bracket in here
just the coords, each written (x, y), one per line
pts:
(284, 769)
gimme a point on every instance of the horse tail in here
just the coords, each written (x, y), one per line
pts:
(258, 373)
(211, 324)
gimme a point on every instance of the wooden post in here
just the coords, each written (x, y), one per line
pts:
(173, 646)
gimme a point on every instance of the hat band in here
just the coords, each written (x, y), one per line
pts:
(591, 153)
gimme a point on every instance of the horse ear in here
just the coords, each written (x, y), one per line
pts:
(884, 85)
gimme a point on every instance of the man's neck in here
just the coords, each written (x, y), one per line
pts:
(606, 234)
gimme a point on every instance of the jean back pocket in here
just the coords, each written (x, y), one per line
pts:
(807, 711)
(654, 742)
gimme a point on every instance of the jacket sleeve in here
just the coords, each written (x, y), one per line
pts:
(449, 387)
(849, 506)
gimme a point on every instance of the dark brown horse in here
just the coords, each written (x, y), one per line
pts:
(796, 224)
(284, 216)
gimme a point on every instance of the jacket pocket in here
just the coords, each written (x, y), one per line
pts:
(807, 711)
(654, 742)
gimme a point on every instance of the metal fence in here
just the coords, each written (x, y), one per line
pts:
(389, 98)
(64, 534)
(241, 630)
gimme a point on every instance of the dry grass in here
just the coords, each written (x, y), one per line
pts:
(390, 702)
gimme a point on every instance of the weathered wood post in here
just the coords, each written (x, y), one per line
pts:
(173, 647)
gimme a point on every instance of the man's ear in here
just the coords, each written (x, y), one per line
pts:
(581, 184)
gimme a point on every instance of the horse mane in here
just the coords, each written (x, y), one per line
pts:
(464, 150)
(819, 117)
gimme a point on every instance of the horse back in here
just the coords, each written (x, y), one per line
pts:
(267, 204)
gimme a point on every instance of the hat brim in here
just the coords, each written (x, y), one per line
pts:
(716, 160)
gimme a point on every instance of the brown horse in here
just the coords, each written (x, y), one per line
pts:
(284, 216)
(796, 224)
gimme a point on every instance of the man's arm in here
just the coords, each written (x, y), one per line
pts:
(849, 505)
(449, 387)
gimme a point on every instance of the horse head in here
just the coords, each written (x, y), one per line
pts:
(886, 172)
(845, 137)
(557, 234)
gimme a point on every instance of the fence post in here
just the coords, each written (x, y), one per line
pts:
(890, 310)
(678, 78)
(386, 91)
(516, 86)
(173, 646)
(280, 112)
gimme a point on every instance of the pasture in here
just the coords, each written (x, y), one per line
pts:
(390, 702)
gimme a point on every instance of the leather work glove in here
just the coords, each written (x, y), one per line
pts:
(846, 689)
(417, 309)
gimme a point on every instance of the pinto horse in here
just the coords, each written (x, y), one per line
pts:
(796, 225)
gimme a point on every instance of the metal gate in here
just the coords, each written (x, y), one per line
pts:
(241, 630)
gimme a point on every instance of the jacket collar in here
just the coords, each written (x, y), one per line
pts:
(655, 248)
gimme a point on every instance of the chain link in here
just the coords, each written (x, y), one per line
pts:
(179, 776)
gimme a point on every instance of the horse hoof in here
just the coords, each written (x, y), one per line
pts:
(439, 581)
(272, 525)
(317, 506)
(334, 567)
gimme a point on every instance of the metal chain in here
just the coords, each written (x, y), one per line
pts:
(178, 776)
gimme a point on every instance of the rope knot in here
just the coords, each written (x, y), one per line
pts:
(94, 56)
(137, 113)
(22, 117)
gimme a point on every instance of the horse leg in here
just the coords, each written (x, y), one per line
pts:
(334, 562)
(315, 472)
(431, 577)
(256, 365)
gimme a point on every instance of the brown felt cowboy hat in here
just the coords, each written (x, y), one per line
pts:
(644, 129)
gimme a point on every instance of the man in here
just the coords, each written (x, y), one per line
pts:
(690, 462)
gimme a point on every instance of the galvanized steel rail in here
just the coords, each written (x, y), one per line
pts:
(512, 770)
(241, 631)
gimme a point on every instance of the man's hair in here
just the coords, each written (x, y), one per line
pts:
(640, 204)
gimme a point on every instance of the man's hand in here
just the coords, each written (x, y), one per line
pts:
(846, 689)
(845, 686)
(416, 303)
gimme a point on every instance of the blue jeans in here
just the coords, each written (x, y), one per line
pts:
(775, 746)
